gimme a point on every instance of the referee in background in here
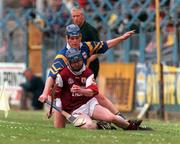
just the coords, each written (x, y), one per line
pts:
(89, 33)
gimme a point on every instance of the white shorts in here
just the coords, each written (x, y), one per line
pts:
(58, 103)
(86, 109)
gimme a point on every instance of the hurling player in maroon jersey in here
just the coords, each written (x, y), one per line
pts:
(73, 38)
(76, 94)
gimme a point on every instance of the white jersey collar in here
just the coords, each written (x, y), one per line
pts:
(68, 46)
(79, 72)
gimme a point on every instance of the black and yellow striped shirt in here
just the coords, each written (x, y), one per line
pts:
(87, 49)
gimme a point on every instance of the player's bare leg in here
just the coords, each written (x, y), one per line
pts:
(102, 113)
(59, 120)
(105, 102)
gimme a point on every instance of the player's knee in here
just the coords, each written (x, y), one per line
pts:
(59, 125)
(59, 120)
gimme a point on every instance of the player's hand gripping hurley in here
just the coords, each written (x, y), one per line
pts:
(77, 121)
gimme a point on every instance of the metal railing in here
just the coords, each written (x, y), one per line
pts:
(111, 18)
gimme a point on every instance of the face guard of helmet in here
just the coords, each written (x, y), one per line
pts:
(73, 30)
(75, 60)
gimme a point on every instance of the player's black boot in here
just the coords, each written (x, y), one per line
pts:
(102, 125)
(132, 126)
(137, 122)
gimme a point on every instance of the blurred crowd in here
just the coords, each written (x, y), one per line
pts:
(113, 16)
(117, 14)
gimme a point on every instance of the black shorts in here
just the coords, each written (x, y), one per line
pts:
(94, 66)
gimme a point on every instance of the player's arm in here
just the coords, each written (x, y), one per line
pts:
(101, 47)
(58, 64)
(92, 58)
(113, 42)
(48, 85)
(90, 90)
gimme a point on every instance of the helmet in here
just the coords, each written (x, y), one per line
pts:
(73, 30)
(74, 56)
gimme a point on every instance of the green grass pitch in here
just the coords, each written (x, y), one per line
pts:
(31, 127)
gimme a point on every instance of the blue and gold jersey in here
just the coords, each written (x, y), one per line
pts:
(87, 49)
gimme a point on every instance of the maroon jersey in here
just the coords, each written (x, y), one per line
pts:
(66, 79)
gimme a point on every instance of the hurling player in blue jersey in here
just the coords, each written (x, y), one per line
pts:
(73, 38)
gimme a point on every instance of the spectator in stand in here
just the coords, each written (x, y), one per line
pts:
(69, 4)
(26, 5)
(126, 20)
(169, 34)
(57, 16)
(82, 3)
(32, 88)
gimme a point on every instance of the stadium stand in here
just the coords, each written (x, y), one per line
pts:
(110, 17)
